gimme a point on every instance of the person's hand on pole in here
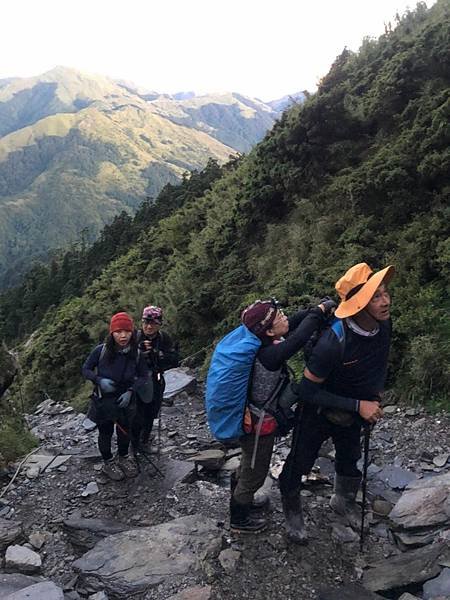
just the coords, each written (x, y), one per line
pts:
(370, 411)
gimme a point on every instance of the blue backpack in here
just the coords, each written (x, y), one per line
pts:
(227, 382)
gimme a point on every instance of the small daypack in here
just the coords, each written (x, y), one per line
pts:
(227, 383)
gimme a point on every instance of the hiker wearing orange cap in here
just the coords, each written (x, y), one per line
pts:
(340, 390)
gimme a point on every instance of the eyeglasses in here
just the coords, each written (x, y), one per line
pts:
(150, 322)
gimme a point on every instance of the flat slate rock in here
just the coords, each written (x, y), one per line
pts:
(396, 477)
(10, 531)
(211, 459)
(13, 582)
(131, 562)
(425, 503)
(396, 572)
(196, 592)
(177, 381)
(85, 533)
(46, 590)
(348, 592)
(440, 586)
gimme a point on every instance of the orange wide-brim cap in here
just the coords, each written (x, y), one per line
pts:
(348, 308)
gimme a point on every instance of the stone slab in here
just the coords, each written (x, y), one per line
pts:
(440, 586)
(348, 592)
(396, 572)
(45, 590)
(13, 582)
(396, 477)
(85, 533)
(193, 593)
(132, 562)
(177, 381)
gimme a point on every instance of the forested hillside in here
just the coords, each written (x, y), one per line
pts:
(359, 172)
(76, 150)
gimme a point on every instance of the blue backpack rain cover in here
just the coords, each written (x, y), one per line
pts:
(227, 382)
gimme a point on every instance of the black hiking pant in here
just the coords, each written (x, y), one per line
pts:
(105, 433)
(146, 413)
(310, 432)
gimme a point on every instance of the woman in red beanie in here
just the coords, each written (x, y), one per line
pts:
(116, 368)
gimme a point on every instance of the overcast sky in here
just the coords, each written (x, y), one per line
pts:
(260, 48)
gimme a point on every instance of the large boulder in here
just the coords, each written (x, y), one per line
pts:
(128, 563)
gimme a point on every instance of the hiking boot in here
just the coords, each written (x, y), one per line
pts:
(241, 519)
(260, 500)
(112, 470)
(343, 501)
(293, 513)
(128, 466)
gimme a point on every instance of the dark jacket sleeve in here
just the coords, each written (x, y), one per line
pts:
(168, 357)
(313, 393)
(273, 356)
(90, 364)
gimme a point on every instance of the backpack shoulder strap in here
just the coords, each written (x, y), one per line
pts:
(102, 354)
(338, 328)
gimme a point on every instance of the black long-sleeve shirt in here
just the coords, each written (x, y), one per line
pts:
(302, 325)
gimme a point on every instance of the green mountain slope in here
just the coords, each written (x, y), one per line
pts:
(76, 150)
(73, 172)
(357, 173)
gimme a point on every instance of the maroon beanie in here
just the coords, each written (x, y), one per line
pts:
(259, 316)
(120, 321)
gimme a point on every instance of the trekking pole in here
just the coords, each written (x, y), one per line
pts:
(364, 482)
(138, 450)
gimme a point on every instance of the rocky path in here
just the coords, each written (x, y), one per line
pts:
(65, 532)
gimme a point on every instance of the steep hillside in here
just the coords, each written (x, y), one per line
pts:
(75, 150)
(358, 172)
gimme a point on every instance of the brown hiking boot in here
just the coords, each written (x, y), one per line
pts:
(112, 470)
(128, 466)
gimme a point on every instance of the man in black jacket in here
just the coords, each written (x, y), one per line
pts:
(161, 354)
(340, 390)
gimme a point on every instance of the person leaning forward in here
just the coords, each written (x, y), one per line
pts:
(340, 390)
(267, 321)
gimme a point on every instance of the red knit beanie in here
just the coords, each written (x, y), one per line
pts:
(259, 316)
(121, 321)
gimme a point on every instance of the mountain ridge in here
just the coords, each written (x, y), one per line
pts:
(64, 132)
